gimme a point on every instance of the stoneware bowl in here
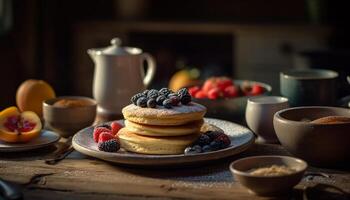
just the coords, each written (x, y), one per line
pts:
(230, 108)
(259, 116)
(68, 120)
(309, 87)
(319, 144)
(268, 185)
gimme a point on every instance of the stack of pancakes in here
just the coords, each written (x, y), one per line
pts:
(161, 130)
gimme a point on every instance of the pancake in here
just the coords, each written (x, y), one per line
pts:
(177, 115)
(154, 145)
(161, 131)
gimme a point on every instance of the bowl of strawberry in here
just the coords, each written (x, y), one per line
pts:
(227, 98)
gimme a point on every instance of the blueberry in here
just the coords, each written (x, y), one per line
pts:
(216, 145)
(203, 140)
(206, 148)
(160, 100)
(197, 148)
(151, 103)
(142, 102)
(189, 150)
(167, 103)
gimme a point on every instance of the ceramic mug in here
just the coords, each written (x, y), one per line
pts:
(311, 87)
(259, 116)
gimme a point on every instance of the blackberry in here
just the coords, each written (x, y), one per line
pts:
(151, 103)
(152, 94)
(109, 145)
(104, 126)
(145, 92)
(136, 97)
(167, 103)
(172, 94)
(175, 100)
(202, 140)
(186, 99)
(142, 102)
(213, 134)
(160, 100)
(165, 91)
(183, 92)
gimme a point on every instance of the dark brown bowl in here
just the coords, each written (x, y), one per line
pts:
(268, 185)
(319, 144)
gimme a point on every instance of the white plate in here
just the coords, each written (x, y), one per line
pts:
(241, 139)
(46, 138)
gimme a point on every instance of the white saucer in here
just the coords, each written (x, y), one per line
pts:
(46, 138)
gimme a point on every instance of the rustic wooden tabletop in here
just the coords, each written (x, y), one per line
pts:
(81, 177)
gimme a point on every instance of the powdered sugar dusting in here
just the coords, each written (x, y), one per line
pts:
(160, 111)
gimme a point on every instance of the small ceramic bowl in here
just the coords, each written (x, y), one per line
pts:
(268, 185)
(318, 144)
(68, 120)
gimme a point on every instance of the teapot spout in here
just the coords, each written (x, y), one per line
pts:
(92, 53)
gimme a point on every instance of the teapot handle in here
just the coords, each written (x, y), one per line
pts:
(151, 70)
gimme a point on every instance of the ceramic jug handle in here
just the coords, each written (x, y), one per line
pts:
(151, 70)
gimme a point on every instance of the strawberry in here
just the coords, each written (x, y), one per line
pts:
(223, 82)
(193, 90)
(209, 84)
(231, 91)
(105, 136)
(98, 131)
(256, 90)
(200, 95)
(115, 128)
(214, 93)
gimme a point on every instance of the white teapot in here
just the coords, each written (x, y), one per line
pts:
(119, 74)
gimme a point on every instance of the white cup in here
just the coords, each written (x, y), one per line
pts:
(259, 116)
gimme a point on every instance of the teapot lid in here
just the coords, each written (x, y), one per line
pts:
(116, 49)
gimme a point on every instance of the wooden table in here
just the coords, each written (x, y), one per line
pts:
(81, 177)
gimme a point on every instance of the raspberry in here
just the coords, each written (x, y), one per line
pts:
(213, 134)
(214, 93)
(109, 145)
(225, 139)
(142, 102)
(151, 103)
(200, 95)
(105, 136)
(231, 91)
(115, 128)
(98, 131)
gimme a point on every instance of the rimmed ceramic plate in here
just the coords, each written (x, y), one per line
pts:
(241, 139)
(46, 138)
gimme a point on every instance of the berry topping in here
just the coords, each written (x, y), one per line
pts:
(109, 145)
(142, 102)
(167, 103)
(151, 103)
(105, 136)
(165, 91)
(136, 97)
(175, 100)
(203, 140)
(105, 126)
(160, 100)
(152, 94)
(98, 131)
(115, 128)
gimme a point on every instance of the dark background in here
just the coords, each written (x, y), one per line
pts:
(48, 39)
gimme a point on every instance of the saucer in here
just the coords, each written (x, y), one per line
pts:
(46, 138)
